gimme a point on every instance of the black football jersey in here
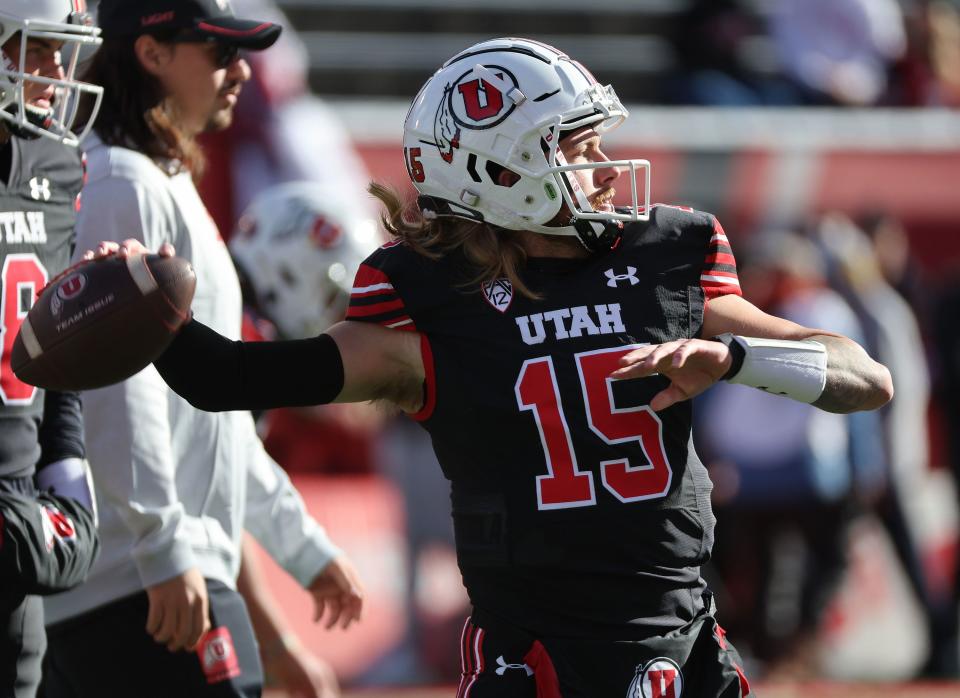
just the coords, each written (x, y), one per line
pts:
(577, 509)
(38, 207)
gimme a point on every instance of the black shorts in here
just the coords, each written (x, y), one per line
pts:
(107, 653)
(499, 660)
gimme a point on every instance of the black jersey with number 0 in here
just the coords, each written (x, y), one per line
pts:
(38, 205)
(578, 510)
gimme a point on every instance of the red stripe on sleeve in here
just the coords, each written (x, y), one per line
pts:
(711, 292)
(714, 281)
(369, 276)
(721, 258)
(715, 272)
(375, 309)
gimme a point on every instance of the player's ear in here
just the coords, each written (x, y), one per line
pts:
(152, 54)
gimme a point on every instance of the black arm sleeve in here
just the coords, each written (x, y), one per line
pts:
(47, 544)
(215, 374)
(61, 432)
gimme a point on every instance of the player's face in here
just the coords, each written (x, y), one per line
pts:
(204, 80)
(43, 59)
(583, 146)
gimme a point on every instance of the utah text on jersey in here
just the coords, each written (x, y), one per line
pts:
(571, 322)
(23, 227)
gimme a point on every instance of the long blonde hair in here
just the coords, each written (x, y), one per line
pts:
(494, 253)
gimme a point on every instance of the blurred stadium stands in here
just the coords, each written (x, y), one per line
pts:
(352, 42)
(756, 167)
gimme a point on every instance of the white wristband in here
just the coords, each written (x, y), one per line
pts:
(797, 370)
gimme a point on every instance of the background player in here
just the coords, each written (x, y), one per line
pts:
(517, 293)
(46, 544)
(178, 486)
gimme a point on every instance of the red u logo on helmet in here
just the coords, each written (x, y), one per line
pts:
(492, 99)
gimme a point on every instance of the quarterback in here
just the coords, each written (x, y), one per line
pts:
(549, 342)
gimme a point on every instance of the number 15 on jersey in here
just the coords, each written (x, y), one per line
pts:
(565, 485)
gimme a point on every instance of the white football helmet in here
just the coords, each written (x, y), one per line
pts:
(51, 20)
(505, 103)
(299, 251)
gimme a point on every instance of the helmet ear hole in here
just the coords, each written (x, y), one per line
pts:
(500, 175)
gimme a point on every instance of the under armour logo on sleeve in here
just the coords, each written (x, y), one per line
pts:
(615, 279)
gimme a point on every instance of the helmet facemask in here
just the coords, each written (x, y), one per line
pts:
(55, 122)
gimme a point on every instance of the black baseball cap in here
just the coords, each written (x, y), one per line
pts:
(208, 19)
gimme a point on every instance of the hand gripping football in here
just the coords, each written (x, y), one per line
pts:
(101, 322)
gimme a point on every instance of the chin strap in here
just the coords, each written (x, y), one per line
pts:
(40, 118)
(598, 236)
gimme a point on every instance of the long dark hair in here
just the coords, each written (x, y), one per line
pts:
(493, 252)
(136, 112)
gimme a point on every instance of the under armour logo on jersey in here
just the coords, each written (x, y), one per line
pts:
(615, 279)
(40, 188)
(503, 666)
(498, 293)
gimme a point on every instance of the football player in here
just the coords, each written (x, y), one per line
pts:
(550, 342)
(47, 542)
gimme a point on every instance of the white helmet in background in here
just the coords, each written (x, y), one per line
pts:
(299, 252)
(56, 21)
(505, 103)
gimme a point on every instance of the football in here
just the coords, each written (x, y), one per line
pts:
(100, 322)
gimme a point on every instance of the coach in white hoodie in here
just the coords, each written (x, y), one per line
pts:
(176, 486)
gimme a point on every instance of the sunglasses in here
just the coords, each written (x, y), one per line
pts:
(224, 54)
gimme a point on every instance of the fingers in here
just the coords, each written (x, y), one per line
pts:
(108, 248)
(104, 249)
(667, 397)
(335, 607)
(678, 358)
(342, 609)
(338, 593)
(168, 626)
(321, 604)
(354, 610)
(154, 618)
(645, 361)
(199, 625)
(663, 358)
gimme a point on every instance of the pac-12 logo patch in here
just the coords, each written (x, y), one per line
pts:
(658, 678)
(498, 293)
